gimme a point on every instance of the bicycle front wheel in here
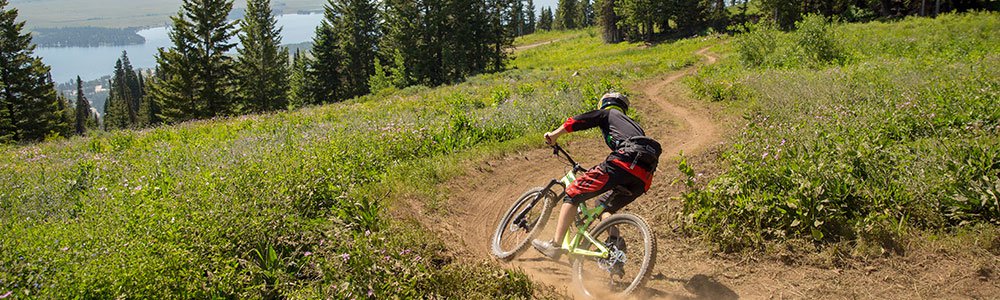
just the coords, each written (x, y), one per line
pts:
(632, 248)
(521, 223)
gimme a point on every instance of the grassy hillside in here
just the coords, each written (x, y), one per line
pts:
(856, 131)
(289, 204)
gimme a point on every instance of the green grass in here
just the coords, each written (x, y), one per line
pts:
(542, 36)
(290, 204)
(122, 13)
(897, 129)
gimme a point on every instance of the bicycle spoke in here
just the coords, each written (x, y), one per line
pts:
(513, 233)
(623, 270)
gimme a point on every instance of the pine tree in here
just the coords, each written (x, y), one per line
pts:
(82, 108)
(325, 73)
(530, 19)
(29, 105)
(379, 80)
(545, 20)
(116, 112)
(299, 86)
(125, 107)
(174, 87)
(67, 116)
(517, 23)
(149, 108)
(262, 67)
(405, 37)
(608, 19)
(360, 31)
(566, 15)
(198, 74)
(586, 14)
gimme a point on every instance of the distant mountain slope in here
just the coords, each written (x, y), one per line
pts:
(125, 13)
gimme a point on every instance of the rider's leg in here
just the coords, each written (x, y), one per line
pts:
(566, 214)
(594, 182)
(613, 231)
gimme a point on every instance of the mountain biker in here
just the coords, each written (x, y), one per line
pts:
(627, 171)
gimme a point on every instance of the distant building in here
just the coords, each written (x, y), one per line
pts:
(99, 89)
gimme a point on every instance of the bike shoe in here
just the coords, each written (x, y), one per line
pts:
(548, 248)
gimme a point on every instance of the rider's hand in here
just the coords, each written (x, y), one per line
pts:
(550, 139)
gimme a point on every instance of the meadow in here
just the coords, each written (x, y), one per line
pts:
(854, 132)
(291, 204)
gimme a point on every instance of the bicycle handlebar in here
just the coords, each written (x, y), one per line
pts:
(557, 149)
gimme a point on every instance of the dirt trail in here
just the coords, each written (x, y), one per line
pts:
(478, 199)
(687, 268)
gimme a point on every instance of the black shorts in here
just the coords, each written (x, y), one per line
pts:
(605, 177)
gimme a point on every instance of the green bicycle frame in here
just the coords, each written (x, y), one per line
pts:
(572, 241)
(586, 216)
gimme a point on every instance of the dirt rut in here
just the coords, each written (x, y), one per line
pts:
(477, 200)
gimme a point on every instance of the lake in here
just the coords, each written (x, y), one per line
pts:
(93, 62)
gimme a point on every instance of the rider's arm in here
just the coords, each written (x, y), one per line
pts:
(552, 137)
(579, 122)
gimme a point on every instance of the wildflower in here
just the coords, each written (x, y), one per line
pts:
(405, 252)
(6, 295)
(345, 256)
(307, 253)
(371, 293)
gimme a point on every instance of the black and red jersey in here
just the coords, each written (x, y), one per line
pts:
(615, 126)
(631, 150)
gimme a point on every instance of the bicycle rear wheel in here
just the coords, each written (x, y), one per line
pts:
(631, 258)
(512, 234)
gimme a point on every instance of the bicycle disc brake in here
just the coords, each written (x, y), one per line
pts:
(615, 258)
(521, 224)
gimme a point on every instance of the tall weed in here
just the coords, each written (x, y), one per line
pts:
(901, 134)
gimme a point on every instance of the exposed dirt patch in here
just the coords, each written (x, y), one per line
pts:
(686, 267)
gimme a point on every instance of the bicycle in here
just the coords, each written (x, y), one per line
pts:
(599, 268)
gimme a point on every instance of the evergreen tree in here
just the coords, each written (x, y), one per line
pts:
(435, 41)
(379, 80)
(530, 19)
(566, 15)
(64, 124)
(406, 36)
(82, 108)
(174, 87)
(299, 86)
(608, 19)
(149, 108)
(124, 107)
(262, 67)
(198, 74)
(325, 73)
(398, 74)
(30, 108)
(517, 23)
(359, 28)
(499, 37)
(545, 20)
(116, 113)
(586, 17)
